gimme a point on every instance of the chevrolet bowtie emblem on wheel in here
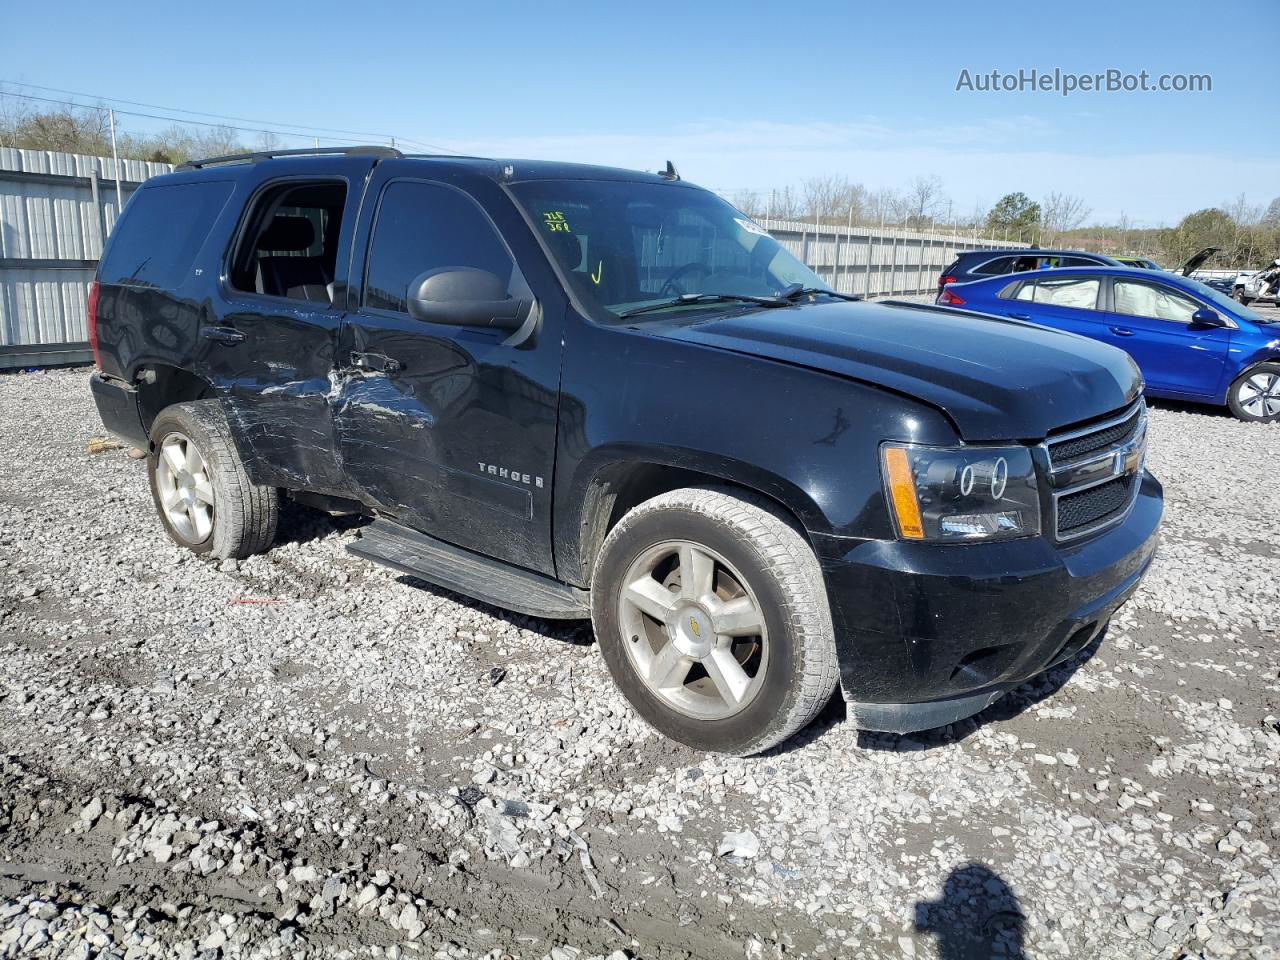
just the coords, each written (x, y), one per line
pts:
(693, 627)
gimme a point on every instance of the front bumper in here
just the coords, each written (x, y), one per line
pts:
(928, 634)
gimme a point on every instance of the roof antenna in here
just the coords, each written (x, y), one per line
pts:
(671, 173)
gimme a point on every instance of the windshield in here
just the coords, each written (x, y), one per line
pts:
(626, 245)
(1223, 302)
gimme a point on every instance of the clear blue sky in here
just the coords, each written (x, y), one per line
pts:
(739, 95)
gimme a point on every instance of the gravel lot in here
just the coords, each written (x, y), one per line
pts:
(305, 754)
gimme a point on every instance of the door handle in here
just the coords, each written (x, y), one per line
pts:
(1020, 316)
(228, 336)
(375, 363)
(1122, 331)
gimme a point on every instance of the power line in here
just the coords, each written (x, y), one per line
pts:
(298, 130)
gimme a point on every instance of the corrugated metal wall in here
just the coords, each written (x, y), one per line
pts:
(56, 210)
(876, 263)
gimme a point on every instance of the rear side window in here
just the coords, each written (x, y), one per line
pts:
(163, 228)
(421, 227)
(290, 248)
(995, 267)
(1078, 292)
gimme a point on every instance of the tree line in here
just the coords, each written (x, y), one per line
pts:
(1248, 235)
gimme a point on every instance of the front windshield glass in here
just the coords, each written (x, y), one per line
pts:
(626, 245)
(1223, 302)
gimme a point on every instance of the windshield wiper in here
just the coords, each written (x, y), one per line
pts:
(692, 299)
(798, 290)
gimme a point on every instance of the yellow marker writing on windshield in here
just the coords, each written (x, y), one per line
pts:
(555, 222)
(599, 272)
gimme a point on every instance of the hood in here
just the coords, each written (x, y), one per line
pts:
(1194, 261)
(996, 379)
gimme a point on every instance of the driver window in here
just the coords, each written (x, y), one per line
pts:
(421, 227)
(1157, 303)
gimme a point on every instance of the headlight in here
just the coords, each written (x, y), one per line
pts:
(961, 493)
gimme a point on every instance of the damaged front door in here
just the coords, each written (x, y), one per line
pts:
(448, 428)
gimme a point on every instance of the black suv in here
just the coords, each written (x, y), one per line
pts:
(575, 391)
(981, 264)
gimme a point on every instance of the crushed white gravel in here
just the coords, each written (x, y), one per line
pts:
(304, 754)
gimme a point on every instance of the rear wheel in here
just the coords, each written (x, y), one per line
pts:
(712, 617)
(205, 499)
(1255, 395)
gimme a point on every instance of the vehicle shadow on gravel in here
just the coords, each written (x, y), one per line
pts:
(302, 524)
(1016, 701)
(978, 916)
(575, 632)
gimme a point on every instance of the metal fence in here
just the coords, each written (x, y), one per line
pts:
(876, 262)
(57, 209)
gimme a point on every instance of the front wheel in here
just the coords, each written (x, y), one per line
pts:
(205, 499)
(711, 613)
(1255, 396)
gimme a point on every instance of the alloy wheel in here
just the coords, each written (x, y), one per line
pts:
(693, 630)
(185, 488)
(1260, 395)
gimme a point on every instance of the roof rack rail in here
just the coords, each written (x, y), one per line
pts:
(386, 153)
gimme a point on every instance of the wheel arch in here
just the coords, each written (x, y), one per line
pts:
(614, 483)
(161, 385)
(1269, 356)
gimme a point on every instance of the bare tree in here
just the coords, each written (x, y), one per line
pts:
(887, 206)
(1061, 213)
(924, 200)
(1244, 213)
(748, 201)
(784, 205)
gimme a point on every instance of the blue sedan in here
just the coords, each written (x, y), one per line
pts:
(1190, 341)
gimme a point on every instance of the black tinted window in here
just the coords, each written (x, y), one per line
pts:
(156, 241)
(423, 227)
(995, 267)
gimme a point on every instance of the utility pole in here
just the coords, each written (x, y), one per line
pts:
(115, 156)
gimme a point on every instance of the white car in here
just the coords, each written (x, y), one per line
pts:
(1262, 286)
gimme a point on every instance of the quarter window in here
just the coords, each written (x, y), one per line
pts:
(163, 228)
(1149, 300)
(425, 226)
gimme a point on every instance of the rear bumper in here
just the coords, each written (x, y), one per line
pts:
(929, 634)
(118, 407)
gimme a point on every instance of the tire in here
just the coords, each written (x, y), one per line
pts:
(1255, 394)
(764, 585)
(219, 511)
(1239, 296)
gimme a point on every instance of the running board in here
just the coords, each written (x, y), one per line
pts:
(471, 574)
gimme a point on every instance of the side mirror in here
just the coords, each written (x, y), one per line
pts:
(1204, 317)
(465, 297)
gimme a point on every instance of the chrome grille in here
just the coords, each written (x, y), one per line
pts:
(1095, 472)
